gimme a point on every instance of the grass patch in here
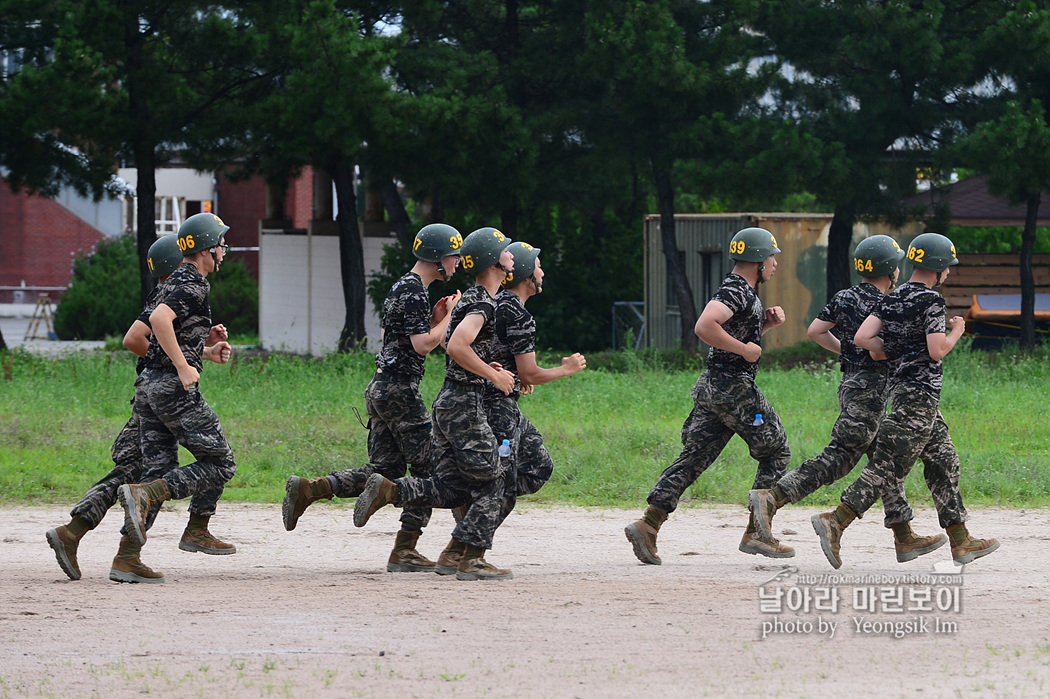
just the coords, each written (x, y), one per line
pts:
(611, 429)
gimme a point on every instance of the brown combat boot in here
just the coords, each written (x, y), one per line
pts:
(965, 548)
(300, 493)
(196, 538)
(910, 545)
(137, 501)
(473, 566)
(128, 568)
(642, 535)
(754, 543)
(829, 527)
(379, 492)
(405, 559)
(64, 540)
(448, 561)
(763, 505)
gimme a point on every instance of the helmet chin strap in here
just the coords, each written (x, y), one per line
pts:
(215, 259)
(441, 271)
(506, 272)
(761, 268)
(939, 278)
(537, 285)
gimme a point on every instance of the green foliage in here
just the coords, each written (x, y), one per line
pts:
(980, 240)
(234, 299)
(103, 295)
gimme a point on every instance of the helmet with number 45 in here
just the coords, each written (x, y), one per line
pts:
(753, 245)
(482, 248)
(877, 256)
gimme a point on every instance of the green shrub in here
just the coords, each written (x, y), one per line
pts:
(235, 299)
(103, 297)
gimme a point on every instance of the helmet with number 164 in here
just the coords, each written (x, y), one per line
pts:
(164, 256)
(482, 248)
(877, 256)
(436, 241)
(932, 252)
(753, 245)
(201, 232)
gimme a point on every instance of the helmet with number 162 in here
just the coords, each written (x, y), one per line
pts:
(932, 252)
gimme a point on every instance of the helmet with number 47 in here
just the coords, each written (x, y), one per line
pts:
(877, 256)
(753, 245)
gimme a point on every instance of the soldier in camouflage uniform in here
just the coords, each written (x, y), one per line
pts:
(726, 399)
(909, 329)
(398, 421)
(863, 394)
(171, 408)
(467, 470)
(163, 258)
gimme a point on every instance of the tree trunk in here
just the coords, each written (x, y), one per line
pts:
(145, 206)
(509, 221)
(3, 344)
(1027, 278)
(395, 207)
(675, 264)
(840, 237)
(351, 255)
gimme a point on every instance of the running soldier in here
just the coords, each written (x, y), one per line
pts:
(909, 327)
(862, 396)
(726, 399)
(164, 257)
(168, 400)
(398, 421)
(468, 470)
(530, 464)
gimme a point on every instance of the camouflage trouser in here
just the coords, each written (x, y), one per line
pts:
(169, 415)
(724, 406)
(914, 429)
(529, 465)
(127, 460)
(466, 466)
(399, 434)
(862, 401)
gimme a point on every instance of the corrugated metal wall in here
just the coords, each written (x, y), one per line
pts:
(703, 239)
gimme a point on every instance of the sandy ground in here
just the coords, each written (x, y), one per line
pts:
(313, 612)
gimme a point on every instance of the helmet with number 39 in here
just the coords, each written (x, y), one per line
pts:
(436, 241)
(932, 252)
(753, 245)
(877, 256)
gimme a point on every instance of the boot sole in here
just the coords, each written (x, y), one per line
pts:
(197, 548)
(912, 555)
(755, 551)
(408, 568)
(121, 576)
(59, 548)
(132, 521)
(291, 495)
(757, 507)
(446, 570)
(825, 543)
(641, 551)
(366, 498)
(968, 558)
(460, 575)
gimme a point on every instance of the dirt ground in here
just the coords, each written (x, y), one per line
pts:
(313, 612)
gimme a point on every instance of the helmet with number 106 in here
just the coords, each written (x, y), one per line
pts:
(482, 248)
(932, 252)
(436, 241)
(201, 232)
(524, 263)
(164, 256)
(753, 245)
(877, 256)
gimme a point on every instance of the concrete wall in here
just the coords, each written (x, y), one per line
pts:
(301, 305)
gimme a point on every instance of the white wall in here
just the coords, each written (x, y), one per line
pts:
(301, 305)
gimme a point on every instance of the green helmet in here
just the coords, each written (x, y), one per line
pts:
(753, 245)
(524, 263)
(164, 256)
(482, 248)
(933, 252)
(436, 241)
(877, 256)
(201, 232)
